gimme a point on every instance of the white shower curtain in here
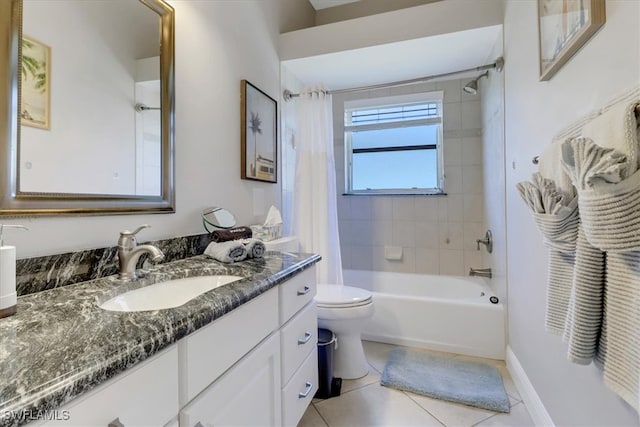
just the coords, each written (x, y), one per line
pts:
(315, 213)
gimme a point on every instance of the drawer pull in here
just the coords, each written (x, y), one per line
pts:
(305, 393)
(304, 291)
(115, 423)
(307, 337)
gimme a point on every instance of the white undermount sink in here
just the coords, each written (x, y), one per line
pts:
(169, 294)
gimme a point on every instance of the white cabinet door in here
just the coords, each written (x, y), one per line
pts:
(209, 352)
(146, 395)
(246, 395)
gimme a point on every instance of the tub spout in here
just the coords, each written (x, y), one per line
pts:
(480, 272)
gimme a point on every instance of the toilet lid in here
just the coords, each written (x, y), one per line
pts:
(341, 296)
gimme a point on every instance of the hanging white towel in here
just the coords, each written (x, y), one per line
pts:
(550, 167)
(621, 328)
(557, 219)
(616, 129)
(584, 312)
(608, 185)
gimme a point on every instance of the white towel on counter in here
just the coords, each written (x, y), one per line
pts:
(231, 251)
(255, 248)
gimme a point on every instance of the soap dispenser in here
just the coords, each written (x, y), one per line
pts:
(8, 295)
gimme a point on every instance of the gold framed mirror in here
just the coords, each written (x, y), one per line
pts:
(86, 119)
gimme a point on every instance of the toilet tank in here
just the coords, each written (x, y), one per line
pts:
(284, 244)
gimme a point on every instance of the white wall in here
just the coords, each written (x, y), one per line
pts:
(214, 51)
(534, 112)
(437, 233)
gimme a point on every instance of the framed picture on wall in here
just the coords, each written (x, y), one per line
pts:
(259, 130)
(35, 93)
(564, 26)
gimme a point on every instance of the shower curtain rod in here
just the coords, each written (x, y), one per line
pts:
(498, 65)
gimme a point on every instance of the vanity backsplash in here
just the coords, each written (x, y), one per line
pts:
(53, 271)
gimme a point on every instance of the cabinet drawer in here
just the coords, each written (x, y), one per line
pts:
(208, 353)
(297, 395)
(144, 395)
(298, 339)
(296, 293)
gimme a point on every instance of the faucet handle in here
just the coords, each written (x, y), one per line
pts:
(134, 232)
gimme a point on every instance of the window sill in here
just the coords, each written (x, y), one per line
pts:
(394, 194)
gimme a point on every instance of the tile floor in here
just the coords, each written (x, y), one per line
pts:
(364, 402)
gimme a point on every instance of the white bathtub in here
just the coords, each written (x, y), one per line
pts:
(445, 313)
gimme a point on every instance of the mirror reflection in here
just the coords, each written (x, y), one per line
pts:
(217, 218)
(86, 65)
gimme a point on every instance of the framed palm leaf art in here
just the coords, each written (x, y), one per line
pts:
(259, 130)
(35, 84)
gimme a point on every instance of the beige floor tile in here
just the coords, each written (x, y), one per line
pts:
(519, 417)
(311, 418)
(364, 402)
(377, 353)
(374, 405)
(452, 414)
(372, 377)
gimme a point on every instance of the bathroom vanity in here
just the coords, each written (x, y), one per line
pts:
(244, 353)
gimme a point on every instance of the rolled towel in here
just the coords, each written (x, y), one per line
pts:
(231, 234)
(232, 251)
(255, 248)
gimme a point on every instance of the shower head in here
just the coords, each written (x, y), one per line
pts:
(472, 86)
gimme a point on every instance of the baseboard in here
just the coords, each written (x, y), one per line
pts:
(536, 409)
(436, 346)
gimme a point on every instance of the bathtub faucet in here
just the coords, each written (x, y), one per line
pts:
(480, 272)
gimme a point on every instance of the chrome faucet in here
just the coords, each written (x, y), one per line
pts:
(487, 241)
(480, 272)
(129, 252)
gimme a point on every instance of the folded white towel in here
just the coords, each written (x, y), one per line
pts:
(231, 251)
(255, 248)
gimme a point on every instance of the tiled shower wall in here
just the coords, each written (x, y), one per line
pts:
(437, 233)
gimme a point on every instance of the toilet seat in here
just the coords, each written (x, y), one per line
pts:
(339, 296)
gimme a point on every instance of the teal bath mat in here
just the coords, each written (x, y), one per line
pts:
(445, 377)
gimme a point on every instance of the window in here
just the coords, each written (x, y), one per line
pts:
(394, 145)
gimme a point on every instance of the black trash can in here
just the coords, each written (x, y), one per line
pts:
(327, 385)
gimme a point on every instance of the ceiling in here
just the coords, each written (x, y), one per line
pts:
(398, 61)
(324, 4)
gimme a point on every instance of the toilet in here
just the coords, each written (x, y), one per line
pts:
(344, 310)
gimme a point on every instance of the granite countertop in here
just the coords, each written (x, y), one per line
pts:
(60, 344)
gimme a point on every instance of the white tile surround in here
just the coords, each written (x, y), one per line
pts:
(437, 233)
